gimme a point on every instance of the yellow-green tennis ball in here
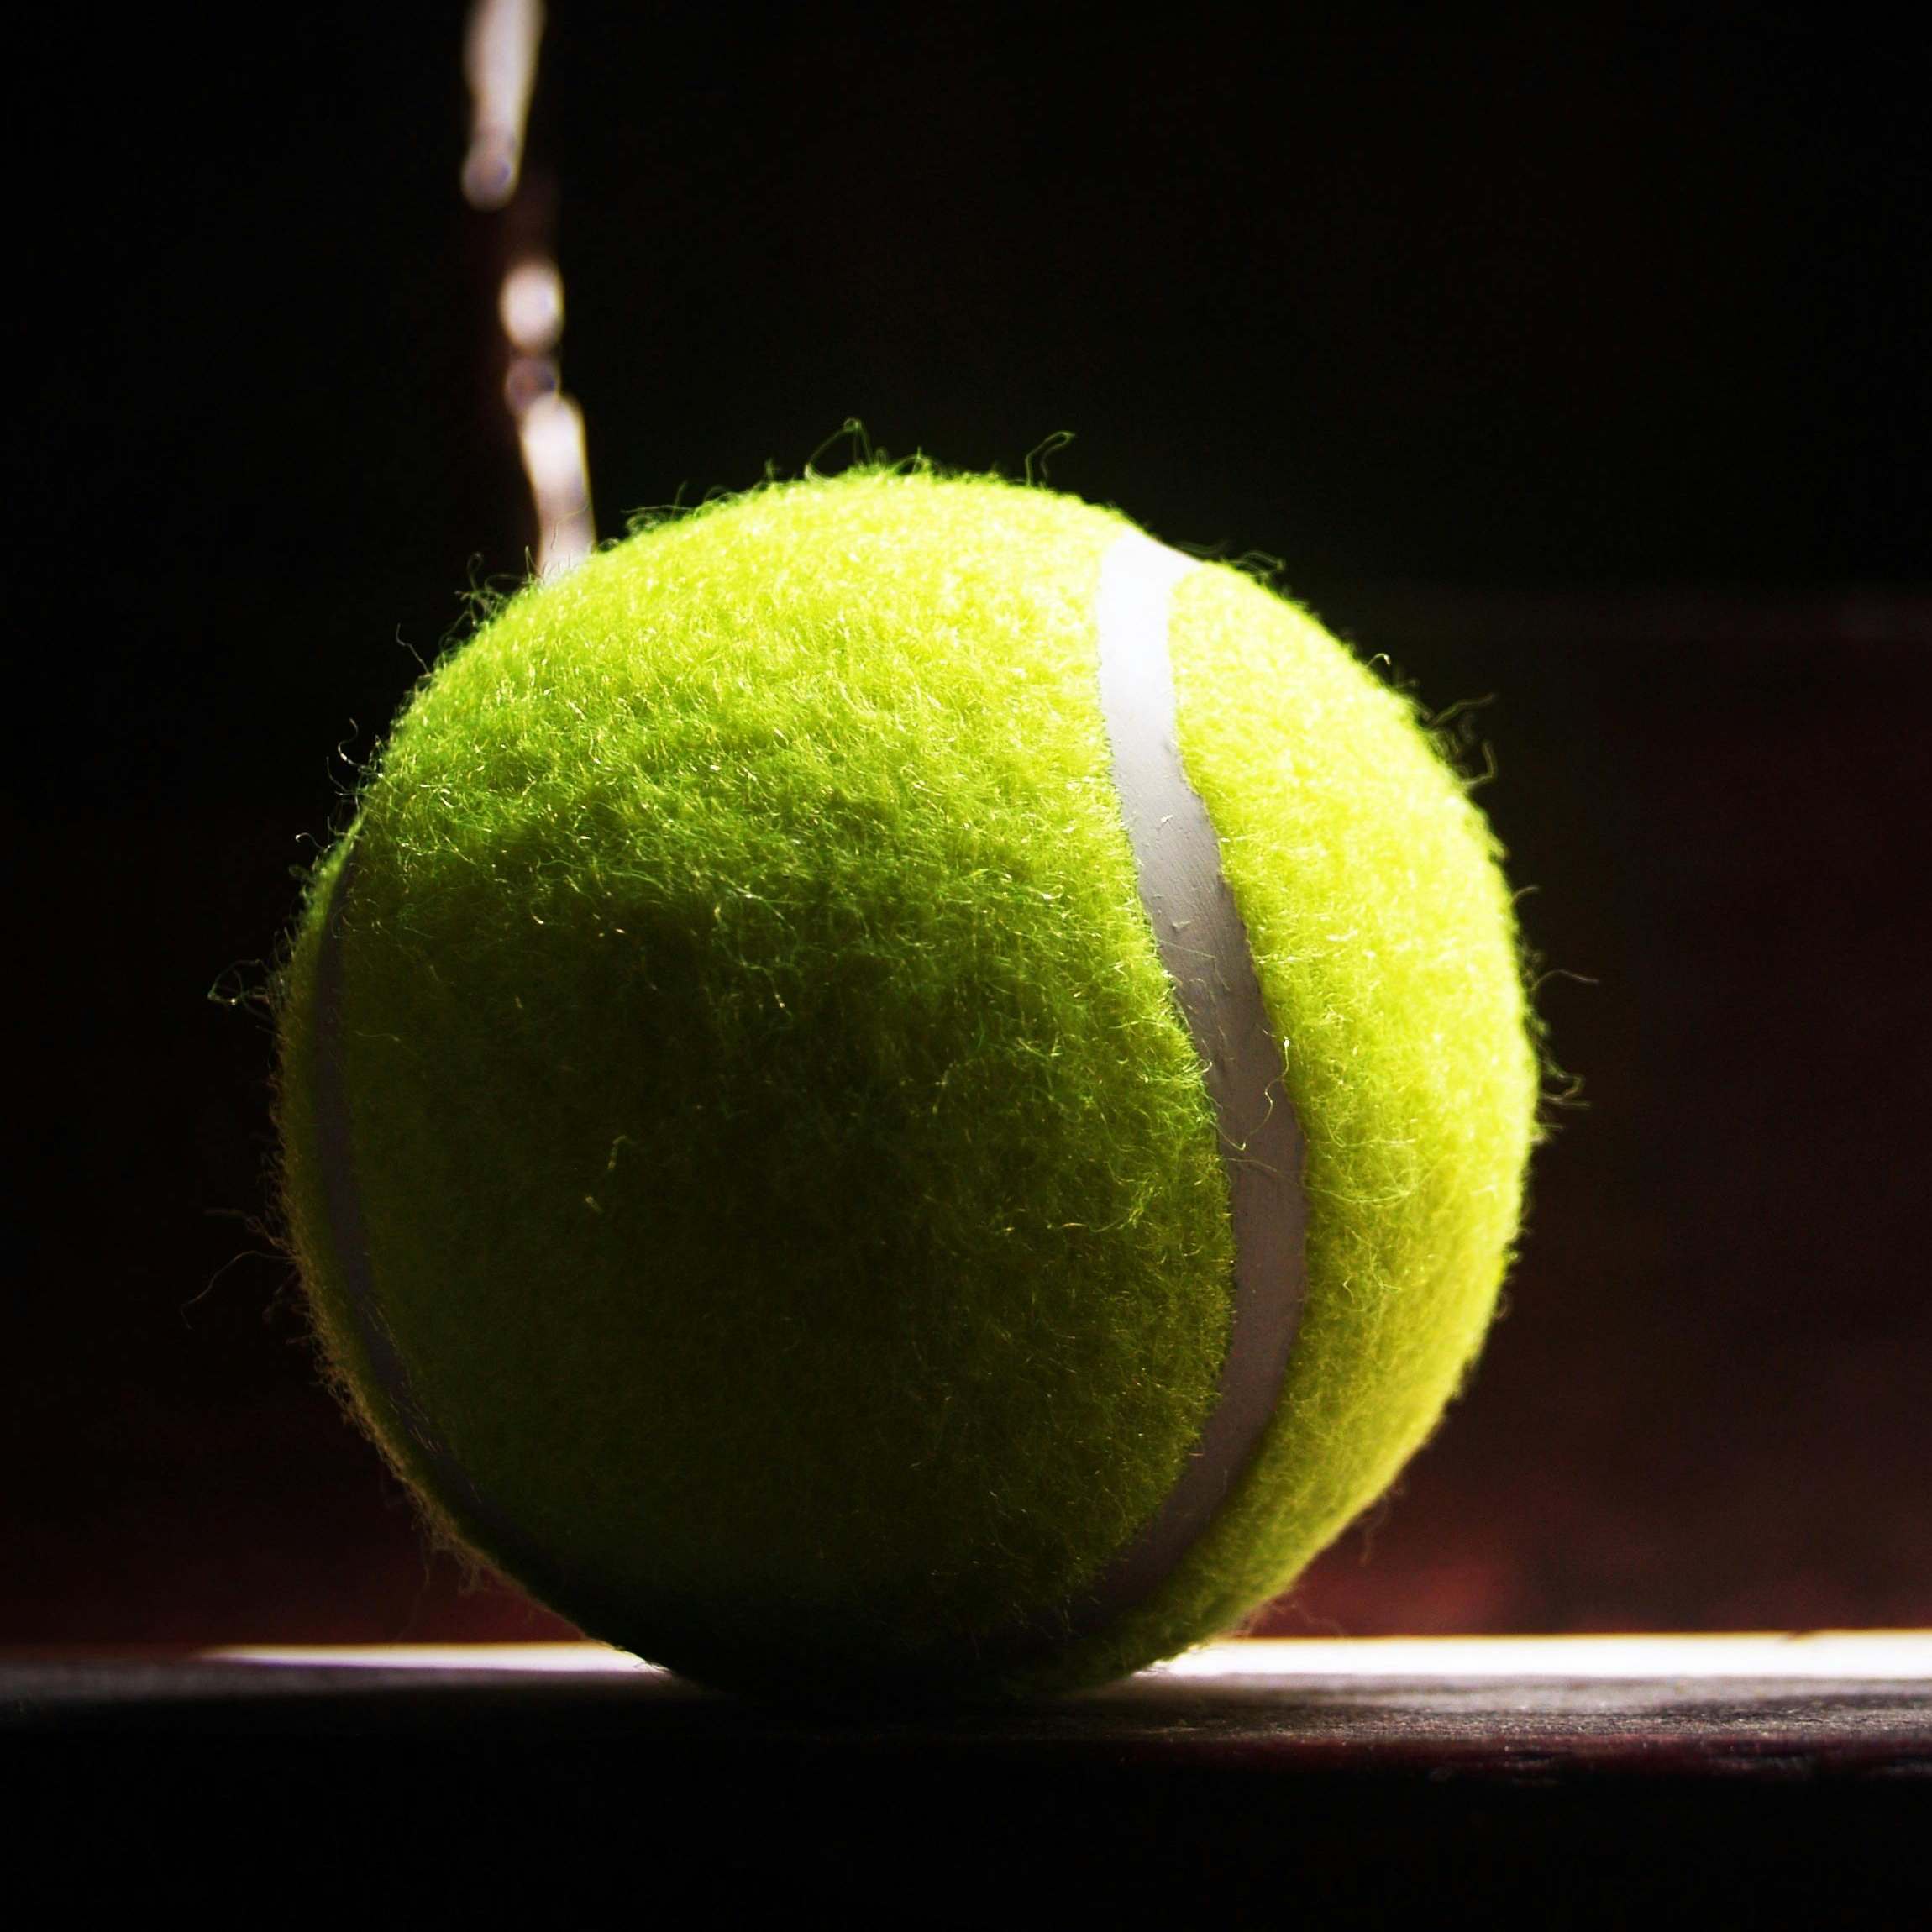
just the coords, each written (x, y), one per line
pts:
(894, 1086)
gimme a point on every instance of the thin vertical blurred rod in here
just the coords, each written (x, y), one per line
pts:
(499, 63)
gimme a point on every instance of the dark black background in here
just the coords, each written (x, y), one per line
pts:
(1576, 363)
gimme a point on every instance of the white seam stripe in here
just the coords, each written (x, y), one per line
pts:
(1203, 944)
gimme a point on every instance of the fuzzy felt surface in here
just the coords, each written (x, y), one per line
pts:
(788, 1189)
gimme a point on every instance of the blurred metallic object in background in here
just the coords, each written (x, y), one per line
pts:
(500, 62)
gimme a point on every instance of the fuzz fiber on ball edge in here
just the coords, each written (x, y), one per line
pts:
(789, 1190)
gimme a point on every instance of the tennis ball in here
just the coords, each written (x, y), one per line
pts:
(897, 1088)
